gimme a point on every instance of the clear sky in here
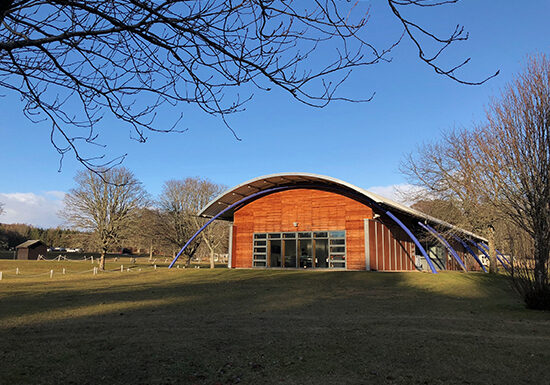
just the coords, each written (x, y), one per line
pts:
(359, 143)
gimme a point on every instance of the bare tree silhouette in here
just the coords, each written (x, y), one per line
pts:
(74, 61)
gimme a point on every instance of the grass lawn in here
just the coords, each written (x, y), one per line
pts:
(199, 326)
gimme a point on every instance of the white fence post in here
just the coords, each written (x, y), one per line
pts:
(92, 259)
(51, 273)
(63, 271)
(121, 268)
(0, 275)
(95, 270)
(155, 267)
(16, 271)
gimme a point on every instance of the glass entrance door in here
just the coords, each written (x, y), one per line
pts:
(305, 251)
(321, 253)
(275, 255)
(289, 252)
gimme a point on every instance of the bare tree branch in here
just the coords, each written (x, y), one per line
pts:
(73, 62)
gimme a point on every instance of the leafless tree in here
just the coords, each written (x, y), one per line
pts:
(514, 154)
(448, 172)
(500, 171)
(179, 203)
(105, 205)
(174, 221)
(1, 208)
(144, 233)
(74, 61)
(215, 236)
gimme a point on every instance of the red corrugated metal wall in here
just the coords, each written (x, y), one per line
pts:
(390, 248)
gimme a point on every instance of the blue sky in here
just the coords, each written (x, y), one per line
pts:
(359, 143)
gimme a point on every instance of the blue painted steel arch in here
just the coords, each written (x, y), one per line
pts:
(275, 189)
(506, 259)
(498, 255)
(469, 249)
(415, 240)
(487, 254)
(447, 245)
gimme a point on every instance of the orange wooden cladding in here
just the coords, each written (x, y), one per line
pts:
(315, 210)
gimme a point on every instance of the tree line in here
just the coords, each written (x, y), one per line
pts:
(112, 211)
(115, 209)
(12, 235)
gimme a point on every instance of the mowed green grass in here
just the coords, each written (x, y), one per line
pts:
(223, 326)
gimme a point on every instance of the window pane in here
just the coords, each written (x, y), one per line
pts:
(259, 250)
(338, 249)
(304, 235)
(290, 252)
(339, 264)
(336, 258)
(337, 241)
(275, 253)
(320, 234)
(337, 234)
(260, 243)
(289, 235)
(259, 263)
(260, 236)
(305, 253)
(274, 235)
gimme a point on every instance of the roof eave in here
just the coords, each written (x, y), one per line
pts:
(329, 180)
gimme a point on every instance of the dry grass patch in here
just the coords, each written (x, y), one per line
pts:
(199, 326)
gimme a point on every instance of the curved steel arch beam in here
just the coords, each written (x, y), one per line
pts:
(220, 213)
(486, 247)
(321, 187)
(232, 206)
(506, 259)
(487, 254)
(469, 249)
(443, 241)
(415, 240)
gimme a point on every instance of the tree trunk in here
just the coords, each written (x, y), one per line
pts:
(102, 259)
(190, 255)
(211, 258)
(493, 267)
(151, 251)
(542, 252)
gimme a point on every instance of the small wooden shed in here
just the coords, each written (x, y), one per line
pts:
(31, 249)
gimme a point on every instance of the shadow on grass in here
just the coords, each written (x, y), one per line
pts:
(254, 327)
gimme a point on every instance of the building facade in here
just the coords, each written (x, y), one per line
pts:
(299, 220)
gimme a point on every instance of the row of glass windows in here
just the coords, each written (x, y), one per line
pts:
(318, 249)
(308, 234)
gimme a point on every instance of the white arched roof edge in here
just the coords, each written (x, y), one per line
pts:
(216, 205)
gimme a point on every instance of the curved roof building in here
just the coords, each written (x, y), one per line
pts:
(303, 220)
